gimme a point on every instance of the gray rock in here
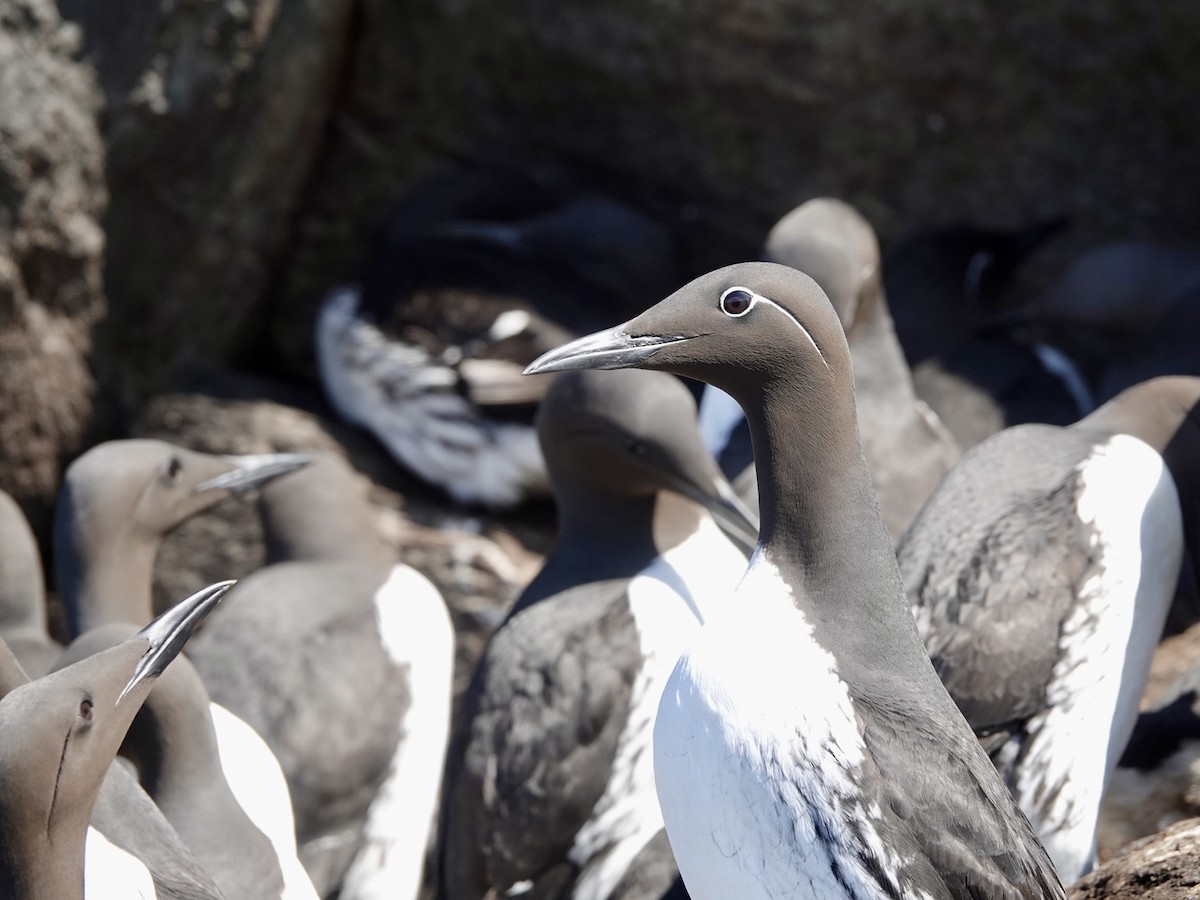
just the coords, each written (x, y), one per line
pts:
(51, 245)
(214, 114)
(1163, 867)
(722, 114)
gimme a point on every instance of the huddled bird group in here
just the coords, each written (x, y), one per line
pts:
(859, 572)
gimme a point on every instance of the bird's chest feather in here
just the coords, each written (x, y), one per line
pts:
(757, 753)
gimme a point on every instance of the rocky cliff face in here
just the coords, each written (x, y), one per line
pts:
(214, 112)
(1163, 867)
(52, 195)
(256, 145)
(721, 114)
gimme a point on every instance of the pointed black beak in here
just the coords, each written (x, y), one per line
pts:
(735, 518)
(254, 471)
(169, 632)
(610, 349)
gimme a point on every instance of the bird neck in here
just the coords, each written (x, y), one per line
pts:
(11, 673)
(109, 584)
(23, 587)
(821, 526)
(173, 745)
(320, 514)
(601, 536)
(35, 865)
(883, 377)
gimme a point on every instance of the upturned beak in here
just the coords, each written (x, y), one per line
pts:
(254, 471)
(169, 632)
(609, 349)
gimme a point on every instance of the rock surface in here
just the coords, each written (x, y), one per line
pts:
(215, 110)
(721, 114)
(1163, 867)
(51, 245)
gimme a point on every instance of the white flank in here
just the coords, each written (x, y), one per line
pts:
(411, 402)
(260, 788)
(719, 414)
(416, 633)
(669, 600)
(755, 750)
(1130, 503)
(110, 873)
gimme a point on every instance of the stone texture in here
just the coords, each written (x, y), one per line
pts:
(51, 246)
(721, 114)
(215, 110)
(1163, 867)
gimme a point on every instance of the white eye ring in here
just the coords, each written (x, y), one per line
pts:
(752, 299)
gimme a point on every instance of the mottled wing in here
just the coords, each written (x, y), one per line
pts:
(992, 567)
(545, 709)
(949, 824)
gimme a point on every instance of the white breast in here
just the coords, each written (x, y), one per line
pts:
(755, 751)
(416, 632)
(1131, 505)
(110, 873)
(260, 788)
(668, 600)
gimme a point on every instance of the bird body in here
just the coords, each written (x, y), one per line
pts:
(668, 600)
(418, 637)
(798, 841)
(553, 792)
(1041, 574)
(353, 694)
(871, 784)
(23, 624)
(413, 402)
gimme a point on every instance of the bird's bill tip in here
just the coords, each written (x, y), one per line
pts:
(613, 348)
(168, 633)
(255, 470)
(733, 516)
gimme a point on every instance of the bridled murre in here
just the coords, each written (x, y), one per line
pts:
(804, 745)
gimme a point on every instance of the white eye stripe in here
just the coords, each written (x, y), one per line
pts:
(754, 299)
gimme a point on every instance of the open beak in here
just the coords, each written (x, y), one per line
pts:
(169, 632)
(254, 471)
(610, 349)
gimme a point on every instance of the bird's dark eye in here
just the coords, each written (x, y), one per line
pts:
(85, 710)
(635, 448)
(174, 466)
(736, 302)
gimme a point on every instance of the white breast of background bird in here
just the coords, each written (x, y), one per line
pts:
(1130, 500)
(669, 600)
